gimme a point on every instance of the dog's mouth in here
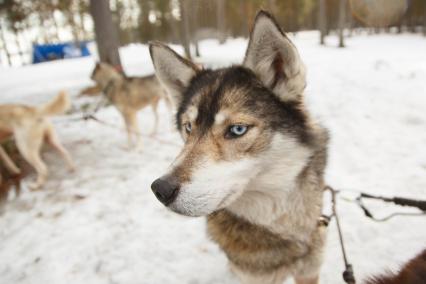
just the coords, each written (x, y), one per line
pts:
(198, 207)
(185, 211)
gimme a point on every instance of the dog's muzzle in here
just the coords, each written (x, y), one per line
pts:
(165, 190)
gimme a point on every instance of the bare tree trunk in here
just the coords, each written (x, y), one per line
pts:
(296, 16)
(351, 22)
(25, 29)
(245, 15)
(45, 21)
(322, 21)
(185, 27)
(272, 4)
(56, 27)
(175, 36)
(424, 20)
(250, 15)
(197, 49)
(4, 45)
(106, 34)
(342, 18)
(82, 26)
(43, 33)
(82, 13)
(195, 23)
(73, 25)
(399, 26)
(411, 21)
(221, 20)
(18, 44)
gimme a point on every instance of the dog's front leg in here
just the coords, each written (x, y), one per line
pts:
(53, 140)
(137, 133)
(245, 277)
(35, 160)
(10, 165)
(128, 122)
(29, 143)
(132, 128)
(154, 106)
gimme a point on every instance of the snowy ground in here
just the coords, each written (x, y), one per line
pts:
(102, 224)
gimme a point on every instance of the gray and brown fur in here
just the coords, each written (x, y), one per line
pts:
(129, 95)
(261, 191)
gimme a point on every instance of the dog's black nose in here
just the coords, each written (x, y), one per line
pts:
(165, 190)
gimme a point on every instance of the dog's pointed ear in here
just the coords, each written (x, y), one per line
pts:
(274, 59)
(173, 71)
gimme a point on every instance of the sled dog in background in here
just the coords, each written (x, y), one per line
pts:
(413, 272)
(30, 126)
(129, 95)
(253, 160)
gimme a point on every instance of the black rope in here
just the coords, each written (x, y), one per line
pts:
(419, 204)
(111, 125)
(90, 115)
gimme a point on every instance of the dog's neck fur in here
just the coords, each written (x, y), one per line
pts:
(270, 226)
(112, 76)
(277, 197)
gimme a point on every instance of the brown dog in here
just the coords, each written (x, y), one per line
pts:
(129, 95)
(30, 126)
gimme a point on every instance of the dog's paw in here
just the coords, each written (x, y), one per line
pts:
(33, 186)
(128, 148)
(16, 172)
(72, 169)
(139, 146)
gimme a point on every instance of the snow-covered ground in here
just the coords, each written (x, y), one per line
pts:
(102, 224)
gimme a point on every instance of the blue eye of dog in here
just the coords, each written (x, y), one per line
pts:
(237, 130)
(188, 127)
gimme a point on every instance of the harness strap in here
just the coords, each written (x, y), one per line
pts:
(348, 273)
(420, 204)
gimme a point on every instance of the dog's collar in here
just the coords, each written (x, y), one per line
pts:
(323, 221)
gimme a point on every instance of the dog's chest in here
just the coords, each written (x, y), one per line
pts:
(252, 247)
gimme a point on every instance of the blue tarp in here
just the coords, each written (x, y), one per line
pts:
(48, 52)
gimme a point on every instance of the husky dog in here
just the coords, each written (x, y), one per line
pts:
(30, 126)
(253, 159)
(129, 95)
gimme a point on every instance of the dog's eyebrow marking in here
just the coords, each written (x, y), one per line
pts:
(220, 117)
(192, 113)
